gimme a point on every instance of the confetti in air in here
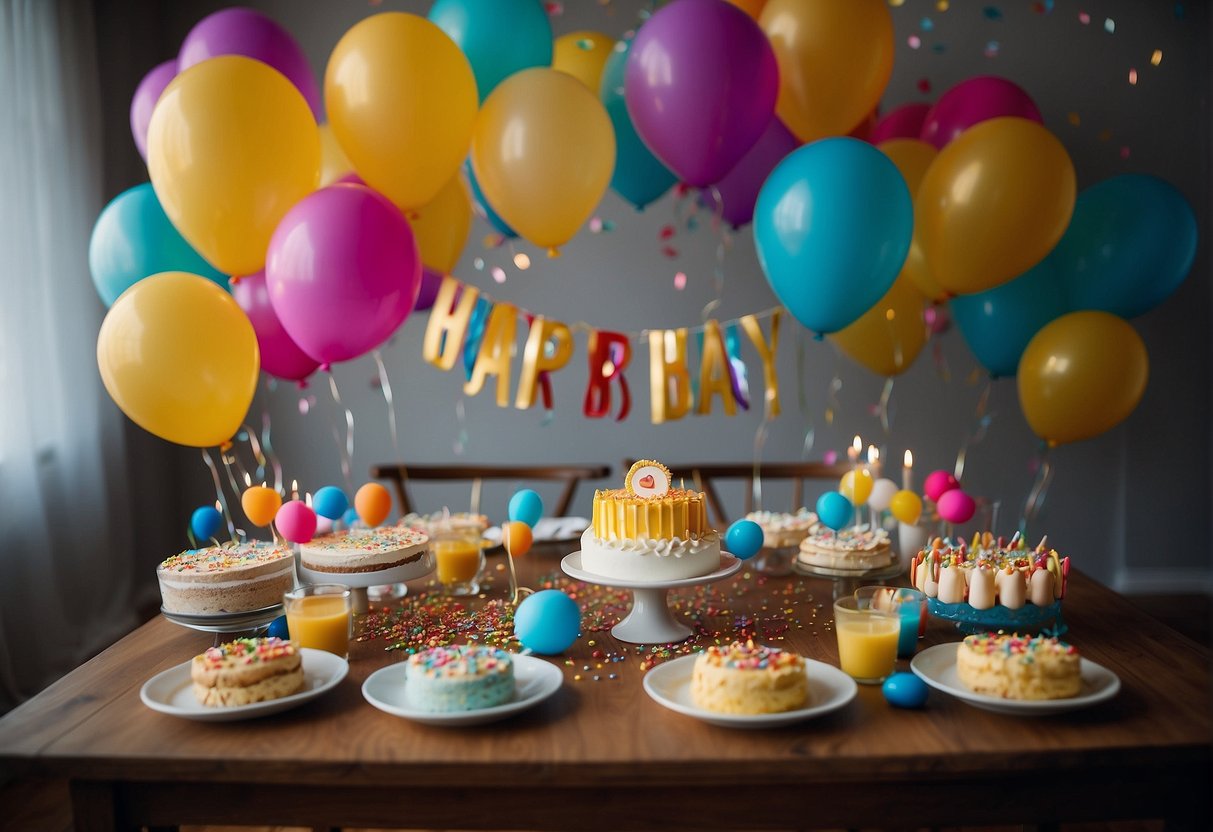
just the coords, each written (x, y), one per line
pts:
(522, 261)
(1156, 58)
(926, 24)
(478, 264)
(1133, 76)
(680, 281)
(992, 13)
(914, 41)
(498, 274)
(1084, 18)
(991, 50)
(1109, 26)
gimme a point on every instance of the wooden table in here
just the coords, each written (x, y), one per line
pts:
(604, 756)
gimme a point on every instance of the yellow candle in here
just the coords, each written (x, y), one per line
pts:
(321, 622)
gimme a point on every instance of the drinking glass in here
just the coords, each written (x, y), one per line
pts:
(459, 558)
(320, 616)
(910, 607)
(867, 640)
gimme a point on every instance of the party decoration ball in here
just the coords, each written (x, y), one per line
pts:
(955, 506)
(906, 507)
(373, 503)
(350, 517)
(296, 521)
(331, 502)
(834, 510)
(547, 622)
(939, 483)
(856, 486)
(205, 522)
(744, 539)
(260, 504)
(517, 537)
(905, 690)
(882, 493)
(526, 506)
(278, 628)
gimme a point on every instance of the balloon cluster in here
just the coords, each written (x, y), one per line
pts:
(297, 521)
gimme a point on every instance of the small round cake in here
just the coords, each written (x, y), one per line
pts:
(464, 677)
(858, 548)
(236, 577)
(363, 550)
(781, 529)
(745, 679)
(247, 670)
(991, 572)
(1015, 667)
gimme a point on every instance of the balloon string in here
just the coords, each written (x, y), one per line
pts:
(760, 441)
(833, 404)
(802, 395)
(722, 245)
(275, 463)
(385, 385)
(461, 438)
(886, 418)
(227, 515)
(979, 431)
(231, 457)
(347, 448)
(255, 447)
(1040, 487)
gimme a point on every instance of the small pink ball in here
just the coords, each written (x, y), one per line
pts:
(955, 506)
(939, 483)
(296, 521)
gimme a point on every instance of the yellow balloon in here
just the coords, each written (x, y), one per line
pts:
(1081, 375)
(751, 7)
(888, 337)
(543, 153)
(582, 55)
(402, 100)
(856, 486)
(441, 227)
(232, 145)
(913, 158)
(993, 204)
(834, 59)
(906, 506)
(333, 162)
(180, 358)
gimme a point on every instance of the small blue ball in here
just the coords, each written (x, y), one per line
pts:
(547, 622)
(526, 506)
(330, 502)
(205, 523)
(350, 517)
(743, 539)
(905, 690)
(834, 510)
(278, 628)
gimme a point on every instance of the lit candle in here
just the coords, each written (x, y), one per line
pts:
(907, 472)
(874, 461)
(853, 451)
(294, 489)
(248, 481)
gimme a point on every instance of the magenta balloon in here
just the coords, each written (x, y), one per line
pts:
(700, 87)
(739, 188)
(240, 31)
(296, 521)
(955, 506)
(972, 101)
(905, 122)
(343, 272)
(280, 356)
(144, 101)
(939, 483)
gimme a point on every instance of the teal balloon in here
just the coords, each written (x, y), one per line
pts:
(205, 523)
(832, 226)
(547, 622)
(744, 539)
(499, 37)
(134, 239)
(639, 176)
(331, 502)
(1130, 243)
(495, 220)
(526, 506)
(834, 510)
(998, 324)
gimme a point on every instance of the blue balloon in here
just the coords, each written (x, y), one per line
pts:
(331, 502)
(278, 628)
(1130, 243)
(205, 523)
(547, 622)
(832, 226)
(639, 177)
(834, 510)
(350, 517)
(499, 37)
(526, 506)
(905, 690)
(492, 216)
(743, 539)
(134, 239)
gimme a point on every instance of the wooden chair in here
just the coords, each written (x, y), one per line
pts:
(703, 475)
(571, 475)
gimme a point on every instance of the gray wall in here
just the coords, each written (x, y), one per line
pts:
(1131, 507)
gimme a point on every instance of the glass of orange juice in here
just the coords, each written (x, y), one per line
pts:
(867, 640)
(459, 558)
(320, 616)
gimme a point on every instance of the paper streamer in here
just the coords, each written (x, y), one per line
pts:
(275, 463)
(227, 515)
(385, 385)
(737, 368)
(475, 334)
(495, 349)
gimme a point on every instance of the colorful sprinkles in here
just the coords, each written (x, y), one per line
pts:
(248, 651)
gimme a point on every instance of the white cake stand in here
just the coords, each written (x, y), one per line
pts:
(650, 621)
(358, 582)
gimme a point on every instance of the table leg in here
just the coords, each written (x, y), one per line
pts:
(95, 809)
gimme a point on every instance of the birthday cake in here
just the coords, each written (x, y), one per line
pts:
(990, 571)
(364, 550)
(649, 531)
(247, 670)
(234, 577)
(459, 678)
(858, 548)
(1015, 667)
(748, 679)
(781, 529)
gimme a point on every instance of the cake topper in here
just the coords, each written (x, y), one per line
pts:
(647, 478)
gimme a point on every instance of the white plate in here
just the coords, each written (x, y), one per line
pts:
(224, 622)
(937, 667)
(571, 564)
(547, 530)
(172, 692)
(534, 681)
(829, 689)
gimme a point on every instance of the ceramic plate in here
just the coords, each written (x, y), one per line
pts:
(172, 692)
(547, 530)
(534, 681)
(571, 564)
(829, 689)
(224, 622)
(937, 667)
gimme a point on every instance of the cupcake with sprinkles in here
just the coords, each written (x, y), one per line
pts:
(232, 578)
(1019, 667)
(744, 678)
(464, 677)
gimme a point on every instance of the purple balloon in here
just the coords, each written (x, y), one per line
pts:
(343, 271)
(144, 101)
(905, 122)
(239, 31)
(431, 282)
(280, 356)
(700, 86)
(739, 188)
(972, 101)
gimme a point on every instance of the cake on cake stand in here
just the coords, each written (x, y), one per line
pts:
(359, 582)
(650, 620)
(252, 622)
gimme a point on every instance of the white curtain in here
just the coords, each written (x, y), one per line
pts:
(66, 571)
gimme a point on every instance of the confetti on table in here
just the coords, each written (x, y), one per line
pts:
(1124, 152)
(942, 5)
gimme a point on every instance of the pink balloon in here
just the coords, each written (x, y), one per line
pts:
(972, 101)
(144, 101)
(739, 188)
(343, 272)
(955, 506)
(939, 483)
(905, 122)
(280, 356)
(296, 521)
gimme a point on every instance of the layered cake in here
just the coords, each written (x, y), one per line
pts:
(247, 670)
(858, 548)
(234, 577)
(364, 550)
(990, 571)
(460, 678)
(650, 531)
(745, 679)
(781, 529)
(1015, 667)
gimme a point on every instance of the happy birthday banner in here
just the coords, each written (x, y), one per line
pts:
(469, 328)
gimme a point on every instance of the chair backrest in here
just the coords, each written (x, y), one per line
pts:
(571, 475)
(704, 474)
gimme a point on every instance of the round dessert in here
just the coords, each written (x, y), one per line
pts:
(781, 529)
(745, 679)
(858, 548)
(648, 531)
(1014, 667)
(247, 670)
(464, 677)
(363, 550)
(234, 577)
(990, 571)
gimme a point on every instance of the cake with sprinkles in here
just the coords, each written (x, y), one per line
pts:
(365, 550)
(990, 571)
(650, 531)
(744, 678)
(1017, 667)
(781, 529)
(247, 670)
(232, 578)
(464, 677)
(858, 548)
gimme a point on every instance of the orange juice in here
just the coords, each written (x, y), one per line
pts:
(867, 645)
(458, 560)
(321, 622)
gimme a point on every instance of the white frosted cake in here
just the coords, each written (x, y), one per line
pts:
(247, 670)
(782, 529)
(235, 577)
(365, 550)
(464, 677)
(748, 679)
(856, 548)
(1019, 667)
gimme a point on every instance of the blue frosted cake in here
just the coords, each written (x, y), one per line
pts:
(458, 678)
